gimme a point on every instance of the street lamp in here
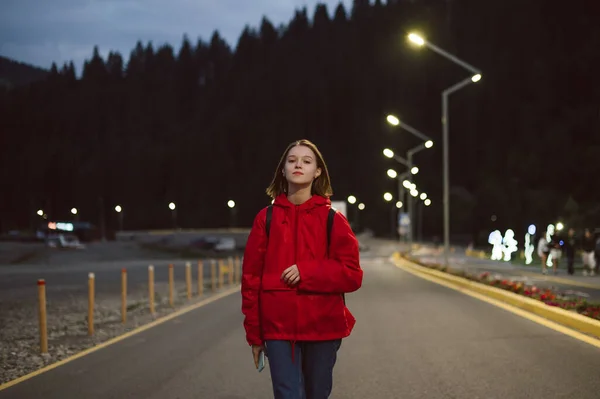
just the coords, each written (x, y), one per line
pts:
(392, 173)
(231, 204)
(399, 204)
(392, 120)
(388, 197)
(361, 206)
(351, 199)
(423, 196)
(427, 202)
(74, 211)
(40, 212)
(119, 210)
(173, 214)
(427, 143)
(474, 78)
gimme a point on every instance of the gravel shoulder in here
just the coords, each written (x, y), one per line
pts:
(67, 325)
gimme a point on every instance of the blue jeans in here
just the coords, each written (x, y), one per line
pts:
(303, 370)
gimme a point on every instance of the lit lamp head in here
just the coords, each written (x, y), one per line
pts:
(416, 39)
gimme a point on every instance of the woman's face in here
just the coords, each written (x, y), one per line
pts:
(300, 166)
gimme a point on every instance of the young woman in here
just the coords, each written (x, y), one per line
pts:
(293, 282)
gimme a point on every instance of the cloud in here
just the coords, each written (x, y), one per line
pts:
(40, 31)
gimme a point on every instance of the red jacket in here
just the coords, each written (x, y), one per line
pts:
(314, 309)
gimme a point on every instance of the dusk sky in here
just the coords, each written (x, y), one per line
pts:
(39, 32)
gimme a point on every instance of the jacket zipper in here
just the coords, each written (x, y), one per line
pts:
(293, 342)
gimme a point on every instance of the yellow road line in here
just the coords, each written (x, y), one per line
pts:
(513, 309)
(121, 337)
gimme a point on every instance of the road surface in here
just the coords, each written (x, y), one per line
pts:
(413, 339)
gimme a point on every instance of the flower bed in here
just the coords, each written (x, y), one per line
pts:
(548, 296)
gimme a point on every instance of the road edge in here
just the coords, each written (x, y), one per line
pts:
(578, 326)
(122, 337)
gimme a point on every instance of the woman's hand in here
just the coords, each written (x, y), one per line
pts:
(256, 350)
(291, 275)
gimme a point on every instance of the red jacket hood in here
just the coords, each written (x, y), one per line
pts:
(313, 202)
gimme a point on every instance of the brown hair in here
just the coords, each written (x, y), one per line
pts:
(320, 186)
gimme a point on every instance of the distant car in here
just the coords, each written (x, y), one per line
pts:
(67, 241)
(215, 243)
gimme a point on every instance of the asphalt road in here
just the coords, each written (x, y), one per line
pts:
(588, 287)
(413, 339)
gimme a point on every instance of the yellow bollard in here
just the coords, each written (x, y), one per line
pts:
(188, 279)
(123, 295)
(42, 316)
(91, 281)
(151, 287)
(220, 273)
(213, 274)
(200, 278)
(171, 278)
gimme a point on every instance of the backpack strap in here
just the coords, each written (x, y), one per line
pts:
(330, 218)
(269, 217)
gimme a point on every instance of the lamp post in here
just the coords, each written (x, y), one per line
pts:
(172, 207)
(119, 210)
(233, 213)
(428, 143)
(474, 78)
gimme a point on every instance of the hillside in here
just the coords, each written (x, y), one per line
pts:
(14, 73)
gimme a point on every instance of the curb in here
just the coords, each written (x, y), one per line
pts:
(567, 318)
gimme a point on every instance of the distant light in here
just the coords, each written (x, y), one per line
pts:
(74, 211)
(428, 144)
(416, 39)
(352, 199)
(172, 206)
(407, 184)
(40, 212)
(414, 192)
(231, 204)
(60, 226)
(399, 204)
(494, 218)
(531, 229)
(392, 120)
(388, 153)
(423, 196)
(388, 197)
(476, 78)
(392, 173)
(118, 208)
(559, 226)
(414, 170)
(361, 206)
(427, 202)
